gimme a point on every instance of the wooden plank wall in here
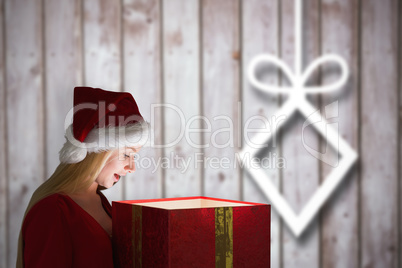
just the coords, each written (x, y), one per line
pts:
(220, 94)
(3, 151)
(400, 132)
(64, 70)
(181, 94)
(341, 213)
(193, 55)
(379, 133)
(262, 17)
(24, 109)
(102, 53)
(300, 165)
(142, 78)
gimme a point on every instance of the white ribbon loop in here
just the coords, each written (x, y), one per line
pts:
(297, 82)
(280, 64)
(325, 88)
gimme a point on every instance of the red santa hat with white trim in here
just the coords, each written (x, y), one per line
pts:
(102, 121)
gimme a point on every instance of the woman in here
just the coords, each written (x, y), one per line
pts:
(68, 220)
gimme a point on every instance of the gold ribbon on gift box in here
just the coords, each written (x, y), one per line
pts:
(224, 237)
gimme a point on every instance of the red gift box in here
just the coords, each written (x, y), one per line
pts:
(191, 232)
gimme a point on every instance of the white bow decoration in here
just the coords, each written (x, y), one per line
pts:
(297, 101)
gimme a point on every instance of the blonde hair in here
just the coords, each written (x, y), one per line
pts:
(66, 179)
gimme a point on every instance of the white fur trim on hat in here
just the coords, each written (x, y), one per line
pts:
(104, 139)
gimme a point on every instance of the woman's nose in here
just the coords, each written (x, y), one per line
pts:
(130, 168)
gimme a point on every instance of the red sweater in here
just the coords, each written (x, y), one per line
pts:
(57, 232)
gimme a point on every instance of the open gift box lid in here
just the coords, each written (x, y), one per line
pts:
(191, 232)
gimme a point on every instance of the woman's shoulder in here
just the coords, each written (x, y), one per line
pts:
(52, 207)
(52, 202)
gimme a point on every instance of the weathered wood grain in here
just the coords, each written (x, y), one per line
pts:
(400, 133)
(181, 65)
(64, 71)
(141, 61)
(25, 128)
(260, 34)
(379, 140)
(301, 174)
(221, 96)
(102, 50)
(3, 144)
(339, 34)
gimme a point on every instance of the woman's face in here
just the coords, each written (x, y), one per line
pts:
(119, 164)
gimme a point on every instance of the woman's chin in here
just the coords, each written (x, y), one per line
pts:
(101, 188)
(104, 187)
(107, 185)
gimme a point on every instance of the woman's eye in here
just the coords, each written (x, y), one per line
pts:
(125, 156)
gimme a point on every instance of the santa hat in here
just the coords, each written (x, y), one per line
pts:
(102, 121)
